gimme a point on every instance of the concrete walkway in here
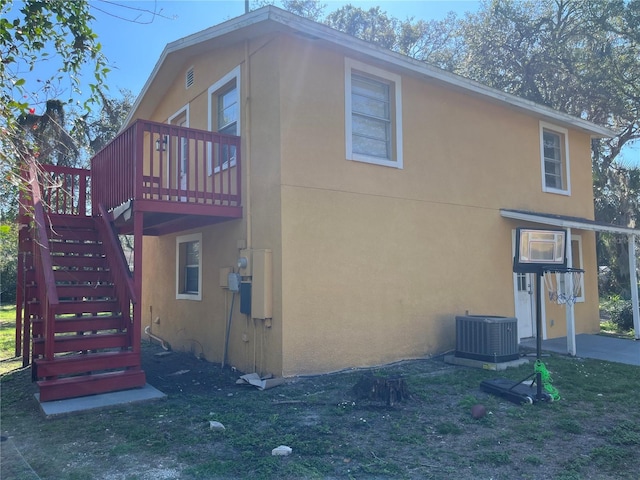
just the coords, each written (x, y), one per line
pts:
(600, 347)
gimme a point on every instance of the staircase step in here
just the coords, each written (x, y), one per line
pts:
(93, 307)
(86, 323)
(89, 291)
(82, 276)
(90, 384)
(68, 221)
(76, 235)
(77, 343)
(75, 247)
(86, 362)
(78, 262)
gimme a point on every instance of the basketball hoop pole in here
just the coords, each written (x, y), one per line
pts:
(538, 332)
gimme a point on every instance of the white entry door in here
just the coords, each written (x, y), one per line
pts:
(525, 304)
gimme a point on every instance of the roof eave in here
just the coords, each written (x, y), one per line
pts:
(563, 221)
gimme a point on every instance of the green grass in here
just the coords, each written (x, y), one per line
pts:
(8, 362)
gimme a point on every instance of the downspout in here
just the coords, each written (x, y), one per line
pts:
(247, 144)
(633, 279)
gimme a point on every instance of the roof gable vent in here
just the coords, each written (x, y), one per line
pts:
(189, 78)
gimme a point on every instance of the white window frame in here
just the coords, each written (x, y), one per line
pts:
(194, 237)
(212, 112)
(565, 167)
(395, 86)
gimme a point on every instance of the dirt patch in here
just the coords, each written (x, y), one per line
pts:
(335, 432)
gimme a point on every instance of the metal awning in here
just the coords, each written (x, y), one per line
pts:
(565, 221)
(568, 222)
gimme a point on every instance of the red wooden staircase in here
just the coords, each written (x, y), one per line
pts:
(77, 298)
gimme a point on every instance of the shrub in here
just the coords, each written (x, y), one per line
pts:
(620, 311)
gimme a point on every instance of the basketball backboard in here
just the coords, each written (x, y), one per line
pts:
(538, 250)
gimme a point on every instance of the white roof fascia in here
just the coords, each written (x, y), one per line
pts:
(319, 31)
(567, 223)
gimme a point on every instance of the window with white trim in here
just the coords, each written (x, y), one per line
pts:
(224, 117)
(373, 115)
(554, 149)
(189, 267)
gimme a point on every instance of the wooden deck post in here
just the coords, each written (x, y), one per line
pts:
(137, 280)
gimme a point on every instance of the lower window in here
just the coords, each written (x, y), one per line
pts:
(189, 267)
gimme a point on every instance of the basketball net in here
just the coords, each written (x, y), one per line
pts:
(564, 286)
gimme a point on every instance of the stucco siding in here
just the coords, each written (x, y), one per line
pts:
(371, 264)
(370, 279)
(377, 261)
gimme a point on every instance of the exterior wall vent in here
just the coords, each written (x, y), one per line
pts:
(189, 78)
(487, 338)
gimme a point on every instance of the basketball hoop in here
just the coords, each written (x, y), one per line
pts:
(564, 285)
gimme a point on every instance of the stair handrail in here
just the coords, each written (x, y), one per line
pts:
(47, 292)
(115, 254)
(50, 292)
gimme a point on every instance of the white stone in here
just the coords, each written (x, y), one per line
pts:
(213, 425)
(282, 450)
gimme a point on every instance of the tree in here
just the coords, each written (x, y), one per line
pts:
(310, 9)
(31, 32)
(93, 131)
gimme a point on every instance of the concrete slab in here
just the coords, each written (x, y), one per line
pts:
(468, 362)
(94, 402)
(599, 347)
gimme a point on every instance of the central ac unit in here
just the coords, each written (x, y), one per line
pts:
(487, 338)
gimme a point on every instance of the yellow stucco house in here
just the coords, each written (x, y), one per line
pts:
(379, 199)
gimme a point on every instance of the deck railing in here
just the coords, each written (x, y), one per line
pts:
(47, 293)
(162, 162)
(64, 190)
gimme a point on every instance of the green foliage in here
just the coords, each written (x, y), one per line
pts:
(95, 130)
(8, 262)
(622, 315)
(621, 312)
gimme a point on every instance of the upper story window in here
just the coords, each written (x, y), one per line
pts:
(228, 111)
(554, 148)
(373, 115)
(224, 117)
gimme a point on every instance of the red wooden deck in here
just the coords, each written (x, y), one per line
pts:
(179, 177)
